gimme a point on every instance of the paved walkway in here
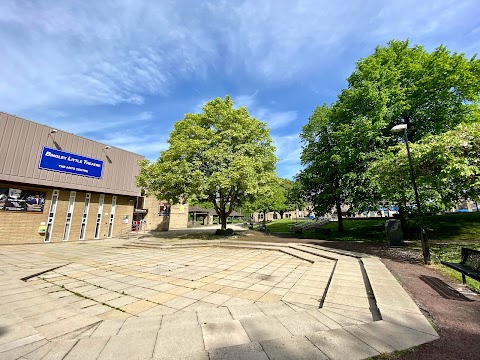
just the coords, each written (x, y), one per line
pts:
(190, 299)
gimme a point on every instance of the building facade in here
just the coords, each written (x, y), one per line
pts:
(56, 186)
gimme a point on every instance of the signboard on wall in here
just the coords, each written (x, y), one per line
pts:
(21, 200)
(63, 161)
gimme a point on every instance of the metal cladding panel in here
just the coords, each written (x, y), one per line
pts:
(21, 145)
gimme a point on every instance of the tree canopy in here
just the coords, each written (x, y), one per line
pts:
(222, 155)
(284, 195)
(432, 93)
(447, 169)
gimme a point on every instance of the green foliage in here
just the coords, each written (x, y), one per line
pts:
(329, 162)
(446, 166)
(283, 195)
(222, 155)
(432, 93)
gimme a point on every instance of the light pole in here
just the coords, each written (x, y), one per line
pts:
(423, 234)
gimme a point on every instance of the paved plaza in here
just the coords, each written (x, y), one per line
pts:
(153, 298)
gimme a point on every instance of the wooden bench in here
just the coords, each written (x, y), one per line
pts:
(469, 266)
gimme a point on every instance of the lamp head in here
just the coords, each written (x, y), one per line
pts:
(53, 131)
(107, 147)
(398, 128)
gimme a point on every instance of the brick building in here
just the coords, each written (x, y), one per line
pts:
(56, 186)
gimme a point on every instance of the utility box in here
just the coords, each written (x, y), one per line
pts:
(393, 230)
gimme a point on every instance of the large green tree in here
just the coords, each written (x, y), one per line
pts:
(399, 83)
(323, 178)
(222, 155)
(430, 92)
(446, 166)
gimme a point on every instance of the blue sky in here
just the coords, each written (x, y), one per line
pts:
(123, 72)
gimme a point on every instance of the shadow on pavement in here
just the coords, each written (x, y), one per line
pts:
(443, 289)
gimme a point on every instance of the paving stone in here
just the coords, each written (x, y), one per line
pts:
(250, 295)
(230, 291)
(88, 348)
(339, 344)
(369, 339)
(29, 302)
(197, 294)
(275, 308)
(340, 319)
(179, 319)
(301, 323)
(58, 350)
(220, 314)
(161, 298)
(83, 303)
(396, 335)
(237, 301)
(301, 298)
(270, 298)
(217, 299)
(4, 298)
(179, 290)
(266, 328)
(200, 305)
(96, 309)
(295, 347)
(67, 300)
(179, 342)
(108, 328)
(51, 316)
(121, 301)
(199, 355)
(179, 302)
(363, 316)
(250, 351)
(107, 296)
(138, 307)
(19, 352)
(413, 321)
(65, 326)
(114, 315)
(15, 332)
(139, 324)
(6, 346)
(245, 311)
(131, 346)
(157, 311)
(229, 333)
(10, 318)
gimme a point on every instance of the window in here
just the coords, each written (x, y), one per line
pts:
(51, 215)
(86, 207)
(99, 216)
(68, 220)
(112, 216)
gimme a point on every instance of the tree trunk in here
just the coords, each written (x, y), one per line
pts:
(223, 218)
(402, 211)
(339, 215)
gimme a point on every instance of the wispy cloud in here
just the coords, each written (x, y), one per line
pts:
(86, 53)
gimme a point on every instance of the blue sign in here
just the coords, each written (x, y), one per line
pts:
(57, 160)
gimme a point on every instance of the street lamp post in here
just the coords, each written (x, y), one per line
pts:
(423, 234)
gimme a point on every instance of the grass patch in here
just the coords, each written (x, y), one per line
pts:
(448, 227)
